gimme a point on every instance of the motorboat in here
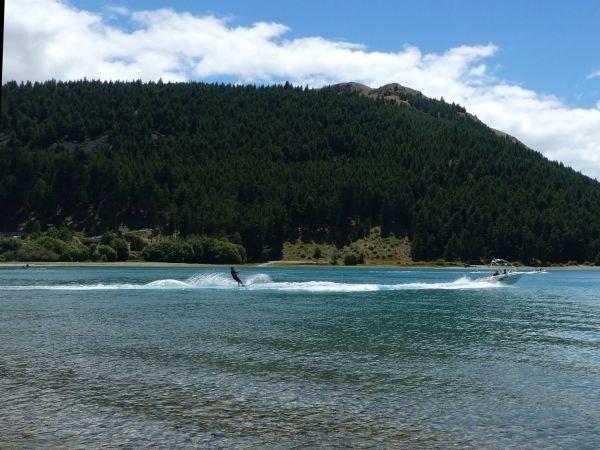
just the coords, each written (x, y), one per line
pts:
(502, 271)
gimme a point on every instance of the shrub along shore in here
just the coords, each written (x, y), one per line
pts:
(66, 246)
(62, 244)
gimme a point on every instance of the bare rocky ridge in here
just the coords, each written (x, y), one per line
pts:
(387, 89)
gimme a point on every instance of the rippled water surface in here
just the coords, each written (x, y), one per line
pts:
(302, 357)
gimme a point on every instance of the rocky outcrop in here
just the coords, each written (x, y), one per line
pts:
(389, 91)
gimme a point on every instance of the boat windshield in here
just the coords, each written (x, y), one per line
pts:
(502, 266)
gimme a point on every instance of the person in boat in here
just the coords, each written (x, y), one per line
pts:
(236, 276)
(496, 273)
(504, 272)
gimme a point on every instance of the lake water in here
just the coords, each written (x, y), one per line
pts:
(343, 357)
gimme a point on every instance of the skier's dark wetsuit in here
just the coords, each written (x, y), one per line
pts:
(235, 276)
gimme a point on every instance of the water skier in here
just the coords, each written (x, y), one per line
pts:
(235, 276)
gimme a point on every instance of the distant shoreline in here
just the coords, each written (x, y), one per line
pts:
(270, 264)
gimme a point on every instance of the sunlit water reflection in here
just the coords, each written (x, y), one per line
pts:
(303, 357)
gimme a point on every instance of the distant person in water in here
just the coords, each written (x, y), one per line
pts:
(235, 276)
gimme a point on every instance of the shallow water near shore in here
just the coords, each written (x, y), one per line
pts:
(132, 356)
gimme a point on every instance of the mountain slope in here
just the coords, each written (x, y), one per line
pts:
(266, 164)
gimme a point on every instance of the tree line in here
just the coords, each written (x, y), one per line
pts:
(259, 165)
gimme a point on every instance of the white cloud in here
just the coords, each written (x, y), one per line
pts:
(593, 74)
(51, 39)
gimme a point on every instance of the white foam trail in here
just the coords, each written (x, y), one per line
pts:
(262, 281)
(167, 284)
(330, 286)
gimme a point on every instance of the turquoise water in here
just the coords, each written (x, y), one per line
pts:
(302, 357)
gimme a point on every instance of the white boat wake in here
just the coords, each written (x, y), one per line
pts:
(262, 282)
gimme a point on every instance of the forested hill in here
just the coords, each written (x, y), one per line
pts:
(267, 164)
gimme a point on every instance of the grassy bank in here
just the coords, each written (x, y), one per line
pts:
(371, 250)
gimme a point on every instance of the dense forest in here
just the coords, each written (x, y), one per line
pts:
(262, 165)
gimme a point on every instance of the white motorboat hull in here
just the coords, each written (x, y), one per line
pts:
(506, 278)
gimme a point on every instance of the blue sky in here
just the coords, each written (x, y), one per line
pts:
(549, 46)
(528, 68)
